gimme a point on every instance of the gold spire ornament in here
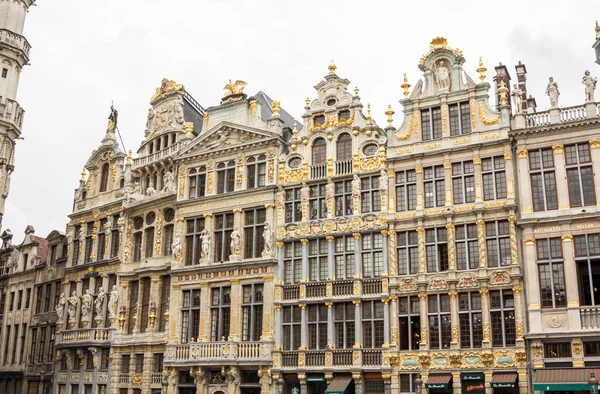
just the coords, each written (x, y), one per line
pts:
(332, 67)
(405, 85)
(276, 107)
(129, 157)
(307, 101)
(503, 92)
(83, 175)
(356, 90)
(295, 131)
(597, 31)
(481, 70)
(369, 112)
(234, 91)
(189, 128)
(390, 112)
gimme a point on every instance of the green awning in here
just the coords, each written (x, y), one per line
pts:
(438, 382)
(566, 379)
(504, 380)
(338, 385)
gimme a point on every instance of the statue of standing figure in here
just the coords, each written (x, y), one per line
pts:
(73, 302)
(86, 305)
(590, 86)
(112, 301)
(169, 183)
(517, 95)
(235, 243)
(442, 76)
(552, 92)
(99, 302)
(60, 308)
(205, 243)
(267, 237)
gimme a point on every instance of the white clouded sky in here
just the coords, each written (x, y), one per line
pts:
(87, 53)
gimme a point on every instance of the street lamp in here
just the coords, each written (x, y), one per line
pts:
(418, 383)
(593, 383)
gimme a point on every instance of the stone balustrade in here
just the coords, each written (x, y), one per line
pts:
(339, 358)
(11, 112)
(157, 378)
(15, 41)
(220, 351)
(340, 288)
(561, 115)
(156, 156)
(590, 317)
(84, 335)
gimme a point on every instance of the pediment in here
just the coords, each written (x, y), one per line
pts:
(103, 153)
(226, 136)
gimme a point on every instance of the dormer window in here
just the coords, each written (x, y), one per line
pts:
(319, 152)
(104, 178)
(431, 123)
(345, 114)
(319, 119)
(331, 102)
(344, 147)
(460, 118)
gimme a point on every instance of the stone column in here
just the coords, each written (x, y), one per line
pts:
(525, 196)
(533, 284)
(421, 249)
(330, 258)
(93, 256)
(357, 324)
(481, 245)
(455, 330)
(153, 318)
(393, 321)
(448, 181)
(451, 247)
(124, 301)
(595, 153)
(358, 382)
(562, 189)
(509, 171)
(209, 224)
(278, 328)
(235, 326)
(280, 265)
(488, 382)
(268, 290)
(386, 322)
(147, 372)
(204, 333)
(132, 361)
(485, 317)
(393, 259)
(424, 344)
(81, 244)
(478, 179)
(79, 292)
(270, 218)
(304, 260)
(456, 383)
(330, 326)
(514, 247)
(357, 256)
(238, 220)
(303, 327)
(391, 191)
(115, 371)
(570, 269)
(137, 321)
(303, 386)
(420, 187)
(386, 253)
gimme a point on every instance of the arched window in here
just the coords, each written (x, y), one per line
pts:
(319, 152)
(121, 183)
(344, 147)
(104, 177)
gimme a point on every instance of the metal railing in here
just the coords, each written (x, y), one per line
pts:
(291, 293)
(316, 290)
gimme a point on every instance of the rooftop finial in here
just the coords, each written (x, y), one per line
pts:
(129, 157)
(390, 112)
(83, 175)
(307, 101)
(294, 131)
(481, 70)
(356, 90)
(405, 85)
(276, 107)
(597, 31)
(332, 67)
(369, 112)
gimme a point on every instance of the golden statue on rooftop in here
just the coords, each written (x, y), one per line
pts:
(234, 88)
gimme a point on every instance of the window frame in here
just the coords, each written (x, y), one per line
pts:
(252, 312)
(578, 166)
(220, 313)
(254, 242)
(496, 175)
(543, 171)
(550, 260)
(444, 321)
(436, 183)
(406, 190)
(461, 182)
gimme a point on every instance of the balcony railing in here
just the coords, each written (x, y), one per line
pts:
(156, 156)
(291, 293)
(157, 378)
(590, 317)
(12, 112)
(572, 113)
(343, 167)
(566, 114)
(15, 41)
(372, 286)
(318, 171)
(537, 119)
(343, 288)
(85, 335)
(316, 290)
(123, 378)
(341, 358)
(223, 351)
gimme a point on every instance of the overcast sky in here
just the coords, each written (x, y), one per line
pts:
(87, 53)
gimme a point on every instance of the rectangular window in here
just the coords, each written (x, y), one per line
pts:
(257, 172)
(317, 259)
(434, 187)
(436, 249)
(343, 198)
(440, 324)
(497, 239)
(408, 252)
(139, 363)
(42, 345)
(370, 194)
(372, 255)
(134, 288)
(4, 72)
(47, 297)
(89, 241)
(101, 240)
(344, 325)
(19, 299)
(125, 363)
(372, 321)
(494, 178)
(11, 302)
(292, 262)
(193, 241)
(114, 236)
(50, 344)
(76, 243)
(463, 182)
(190, 315)
(580, 175)
(2, 301)
(145, 304)
(23, 336)
(27, 299)
(33, 350)
(502, 313)
(220, 313)
(469, 313)
(409, 334)
(587, 258)
(551, 272)
(407, 383)
(225, 177)
(317, 202)
(254, 242)
(165, 293)
(543, 179)
(317, 326)
(467, 247)
(149, 242)
(104, 358)
(431, 123)
(137, 246)
(291, 327)
(557, 350)
(158, 362)
(14, 345)
(222, 233)
(252, 312)
(344, 257)
(460, 118)
(406, 190)
(197, 182)
(293, 205)
(167, 240)
(57, 291)
(6, 344)
(38, 299)
(53, 250)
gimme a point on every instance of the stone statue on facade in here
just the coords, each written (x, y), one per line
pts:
(73, 303)
(86, 305)
(590, 86)
(383, 182)
(151, 191)
(330, 189)
(107, 226)
(112, 301)
(176, 247)
(305, 192)
(169, 182)
(68, 358)
(235, 242)
(442, 76)
(552, 92)
(267, 237)
(60, 308)
(121, 224)
(81, 233)
(112, 118)
(280, 197)
(132, 192)
(356, 184)
(99, 302)
(205, 244)
(95, 356)
(517, 95)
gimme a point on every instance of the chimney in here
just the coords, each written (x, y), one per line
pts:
(502, 75)
(522, 80)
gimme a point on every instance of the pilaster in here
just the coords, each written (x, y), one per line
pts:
(561, 173)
